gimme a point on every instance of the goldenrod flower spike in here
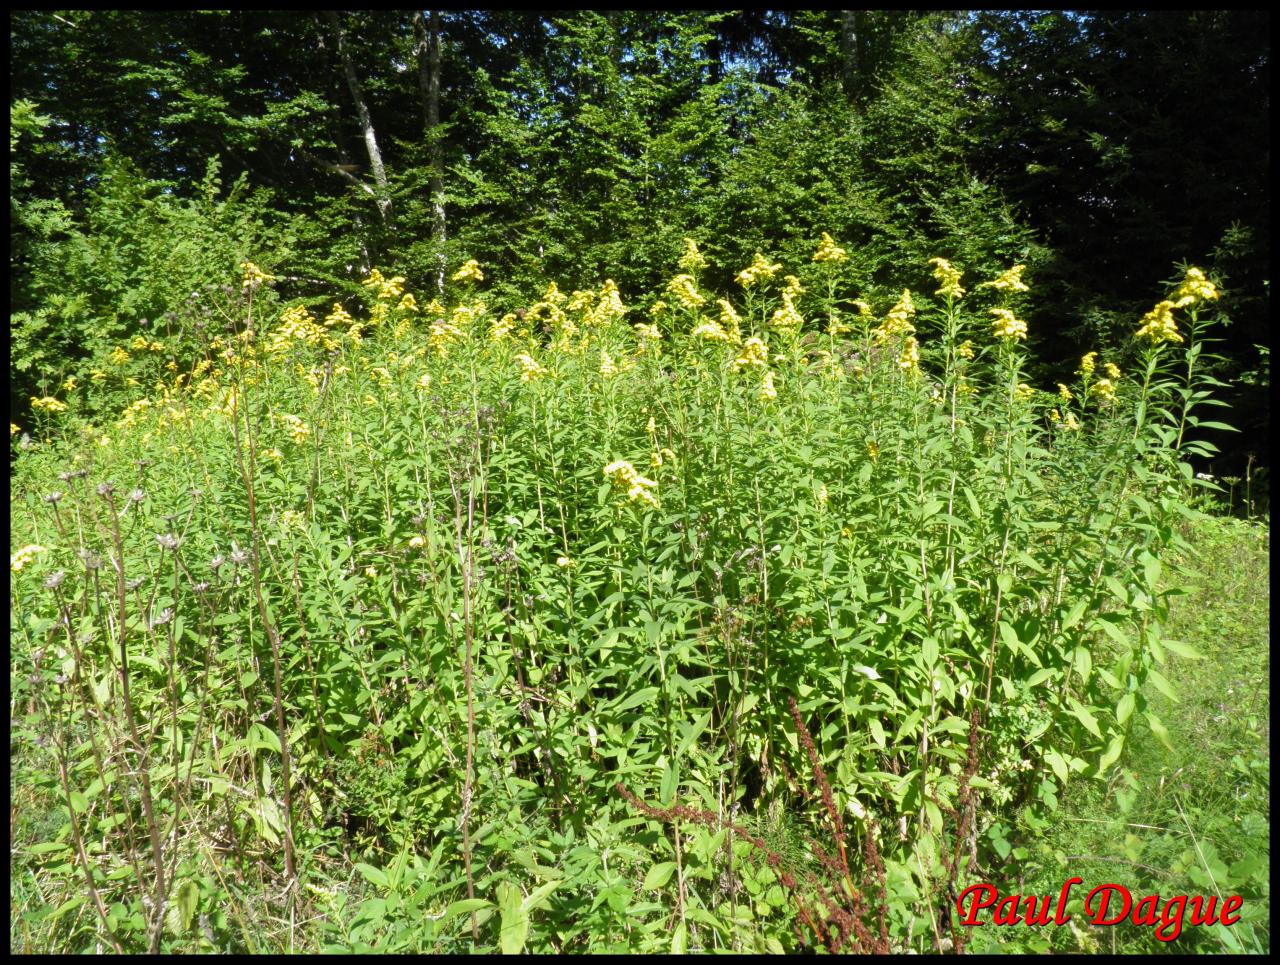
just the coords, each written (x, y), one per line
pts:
(829, 251)
(759, 268)
(948, 276)
(470, 271)
(692, 259)
(1158, 324)
(1010, 281)
(639, 489)
(1195, 287)
(1007, 326)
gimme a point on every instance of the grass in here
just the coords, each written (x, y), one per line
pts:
(1191, 818)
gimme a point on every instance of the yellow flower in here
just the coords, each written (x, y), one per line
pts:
(297, 428)
(1010, 281)
(767, 391)
(1195, 287)
(873, 450)
(864, 310)
(253, 275)
(417, 542)
(1070, 423)
(1104, 389)
(1024, 392)
(823, 496)
(909, 360)
(758, 269)
(949, 276)
(48, 403)
(639, 489)
(898, 321)
(1064, 393)
(139, 343)
(1087, 363)
(607, 366)
(24, 556)
(786, 319)
(470, 271)
(530, 369)
(13, 430)
(423, 383)
(1113, 372)
(711, 331)
(685, 291)
(657, 308)
(155, 347)
(791, 286)
(1158, 324)
(274, 454)
(754, 353)
(692, 259)
(119, 356)
(730, 321)
(828, 250)
(965, 349)
(648, 331)
(98, 375)
(1006, 326)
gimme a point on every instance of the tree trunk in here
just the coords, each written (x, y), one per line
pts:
(849, 52)
(366, 122)
(427, 48)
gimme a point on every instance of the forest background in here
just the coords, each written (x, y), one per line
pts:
(150, 153)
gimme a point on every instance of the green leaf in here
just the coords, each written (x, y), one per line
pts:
(514, 928)
(638, 698)
(1059, 765)
(182, 908)
(1082, 713)
(1124, 708)
(1111, 754)
(1159, 730)
(375, 876)
(1183, 650)
(658, 875)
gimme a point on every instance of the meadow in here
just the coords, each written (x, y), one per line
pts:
(678, 620)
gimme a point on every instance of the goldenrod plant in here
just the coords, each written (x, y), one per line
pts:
(357, 619)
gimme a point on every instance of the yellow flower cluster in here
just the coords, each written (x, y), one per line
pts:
(338, 317)
(754, 354)
(1158, 324)
(1104, 389)
(1023, 392)
(297, 428)
(502, 327)
(254, 276)
(1195, 287)
(24, 556)
(898, 321)
(48, 403)
(408, 303)
(623, 475)
(1007, 326)
(710, 330)
(965, 349)
(909, 360)
(1064, 393)
(470, 271)
(758, 269)
(829, 251)
(685, 290)
(692, 259)
(1087, 362)
(730, 321)
(948, 276)
(1010, 281)
(767, 390)
(119, 356)
(786, 320)
(296, 324)
(386, 289)
(530, 369)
